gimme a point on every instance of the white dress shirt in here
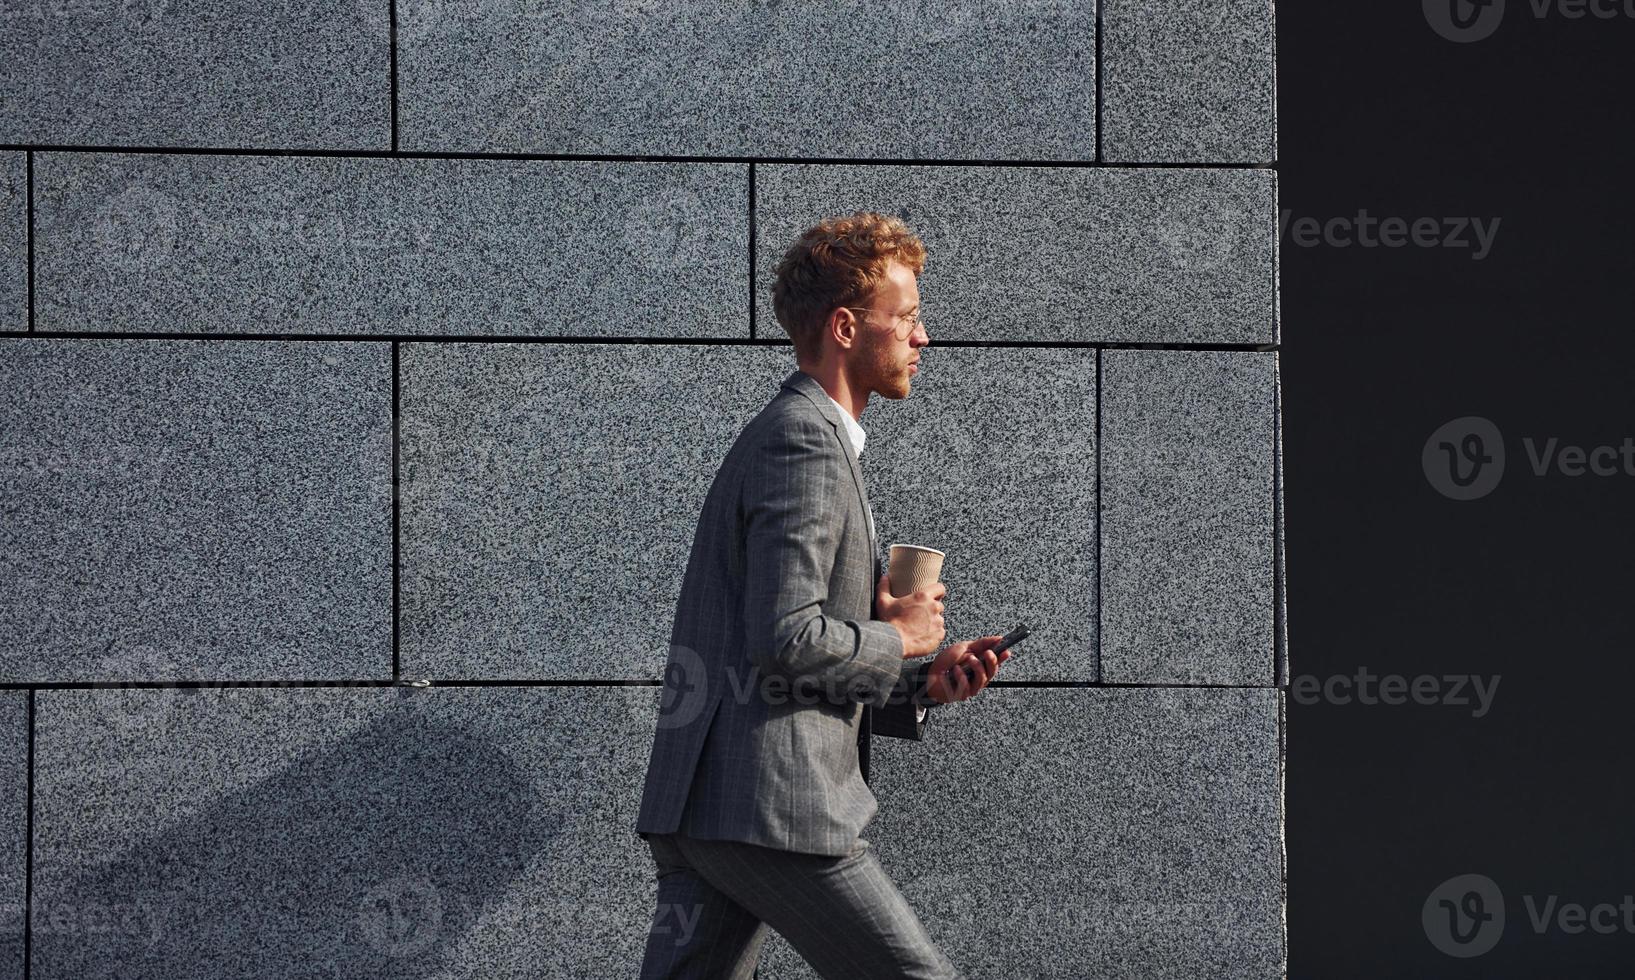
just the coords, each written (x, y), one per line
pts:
(854, 429)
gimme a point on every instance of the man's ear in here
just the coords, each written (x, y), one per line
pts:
(842, 329)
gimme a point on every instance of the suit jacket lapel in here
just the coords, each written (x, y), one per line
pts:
(807, 385)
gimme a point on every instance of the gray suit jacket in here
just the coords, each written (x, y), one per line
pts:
(774, 655)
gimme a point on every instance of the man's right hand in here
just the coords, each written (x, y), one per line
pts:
(917, 616)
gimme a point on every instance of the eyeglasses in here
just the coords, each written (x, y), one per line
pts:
(914, 320)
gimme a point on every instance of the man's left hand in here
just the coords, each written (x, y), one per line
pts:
(965, 668)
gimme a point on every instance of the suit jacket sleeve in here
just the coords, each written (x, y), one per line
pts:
(900, 719)
(794, 493)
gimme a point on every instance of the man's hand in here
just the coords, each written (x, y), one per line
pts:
(963, 669)
(917, 616)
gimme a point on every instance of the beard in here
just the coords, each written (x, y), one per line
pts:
(884, 368)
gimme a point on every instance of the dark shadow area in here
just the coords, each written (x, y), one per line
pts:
(1384, 345)
(365, 860)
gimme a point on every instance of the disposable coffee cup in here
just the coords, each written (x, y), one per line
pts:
(913, 568)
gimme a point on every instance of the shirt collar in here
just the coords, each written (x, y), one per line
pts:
(854, 429)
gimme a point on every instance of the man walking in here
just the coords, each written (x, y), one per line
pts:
(788, 644)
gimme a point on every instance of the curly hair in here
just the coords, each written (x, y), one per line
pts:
(840, 261)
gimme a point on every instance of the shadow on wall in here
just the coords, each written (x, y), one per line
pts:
(368, 859)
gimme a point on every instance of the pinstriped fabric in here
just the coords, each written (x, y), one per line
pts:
(843, 915)
(774, 653)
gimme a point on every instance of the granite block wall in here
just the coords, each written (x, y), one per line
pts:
(14, 765)
(13, 241)
(338, 831)
(183, 509)
(1136, 834)
(241, 244)
(1186, 517)
(364, 366)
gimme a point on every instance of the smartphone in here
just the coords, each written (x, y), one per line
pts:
(1014, 636)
